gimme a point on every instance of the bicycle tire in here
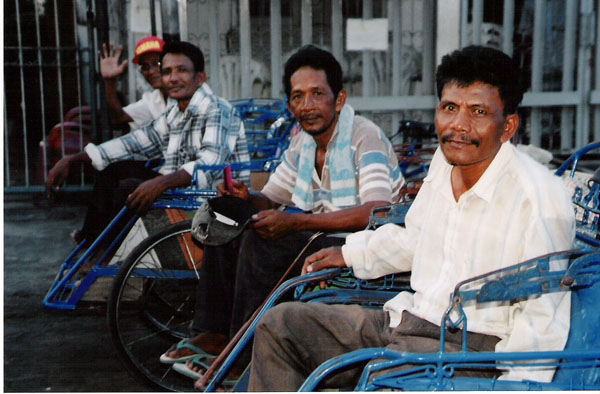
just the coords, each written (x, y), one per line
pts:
(151, 305)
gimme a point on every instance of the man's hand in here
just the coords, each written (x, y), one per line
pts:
(145, 194)
(109, 62)
(325, 258)
(240, 190)
(272, 224)
(57, 175)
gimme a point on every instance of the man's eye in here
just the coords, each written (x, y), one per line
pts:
(480, 112)
(165, 71)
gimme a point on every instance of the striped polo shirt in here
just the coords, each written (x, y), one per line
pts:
(378, 177)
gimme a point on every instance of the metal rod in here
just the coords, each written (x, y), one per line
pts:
(246, 48)
(306, 22)
(92, 72)
(477, 20)
(23, 104)
(275, 20)
(6, 150)
(44, 145)
(537, 68)
(214, 52)
(80, 88)
(337, 30)
(367, 56)
(568, 72)
(508, 26)
(61, 109)
(428, 70)
(397, 70)
(464, 23)
(152, 17)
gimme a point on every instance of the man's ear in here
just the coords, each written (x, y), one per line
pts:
(511, 125)
(340, 100)
(200, 78)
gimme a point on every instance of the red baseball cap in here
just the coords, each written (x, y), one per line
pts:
(146, 45)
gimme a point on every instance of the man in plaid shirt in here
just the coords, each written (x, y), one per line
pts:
(198, 128)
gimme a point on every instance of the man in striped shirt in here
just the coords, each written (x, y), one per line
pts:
(483, 206)
(198, 128)
(336, 170)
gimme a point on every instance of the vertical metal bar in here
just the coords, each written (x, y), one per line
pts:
(584, 74)
(23, 104)
(246, 49)
(44, 145)
(152, 17)
(6, 151)
(508, 26)
(169, 18)
(428, 70)
(92, 72)
(275, 20)
(395, 19)
(568, 72)
(183, 22)
(59, 75)
(597, 77)
(477, 20)
(131, 71)
(537, 68)
(79, 89)
(213, 38)
(464, 23)
(306, 22)
(367, 56)
(337, 30)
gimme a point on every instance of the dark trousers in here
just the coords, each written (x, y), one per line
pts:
(113, 185)
(237, 277)
(294, 338)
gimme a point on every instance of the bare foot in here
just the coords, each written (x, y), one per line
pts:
(209, 342)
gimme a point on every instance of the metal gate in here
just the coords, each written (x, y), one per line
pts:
(49, 101)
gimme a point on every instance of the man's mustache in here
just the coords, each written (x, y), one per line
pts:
(461, 137)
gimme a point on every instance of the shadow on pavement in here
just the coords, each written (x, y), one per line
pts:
(48, 350)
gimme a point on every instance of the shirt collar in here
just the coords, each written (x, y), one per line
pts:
(199, 95)
(440, 171)
(486, 185)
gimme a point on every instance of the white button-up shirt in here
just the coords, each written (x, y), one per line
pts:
(516, 211)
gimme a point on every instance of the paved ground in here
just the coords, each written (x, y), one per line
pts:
(50, 350)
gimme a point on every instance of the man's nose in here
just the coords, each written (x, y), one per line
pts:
(461, 121)
(308, 102)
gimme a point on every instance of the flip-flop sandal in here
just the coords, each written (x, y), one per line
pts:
(183, 344)
(199, 360)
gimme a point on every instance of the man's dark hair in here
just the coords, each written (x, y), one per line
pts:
(185, 48)
(482, 64)
(319, 59)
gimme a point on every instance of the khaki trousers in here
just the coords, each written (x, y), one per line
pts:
(294, 338)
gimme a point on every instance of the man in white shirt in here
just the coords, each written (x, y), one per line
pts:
(483, 206)
(153, 103)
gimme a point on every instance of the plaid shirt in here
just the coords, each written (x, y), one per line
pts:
(208, 132)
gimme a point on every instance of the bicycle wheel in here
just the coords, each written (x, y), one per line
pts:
(152, 304)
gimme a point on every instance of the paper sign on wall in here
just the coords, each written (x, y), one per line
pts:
(363, 34)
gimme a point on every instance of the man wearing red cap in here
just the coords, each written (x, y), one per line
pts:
(153, 103)
(197, 128)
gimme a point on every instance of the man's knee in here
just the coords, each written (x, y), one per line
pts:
(277, 318)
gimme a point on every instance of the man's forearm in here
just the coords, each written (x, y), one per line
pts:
(351, 219)
(115, 109)
(261, 202)
(178, 178)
